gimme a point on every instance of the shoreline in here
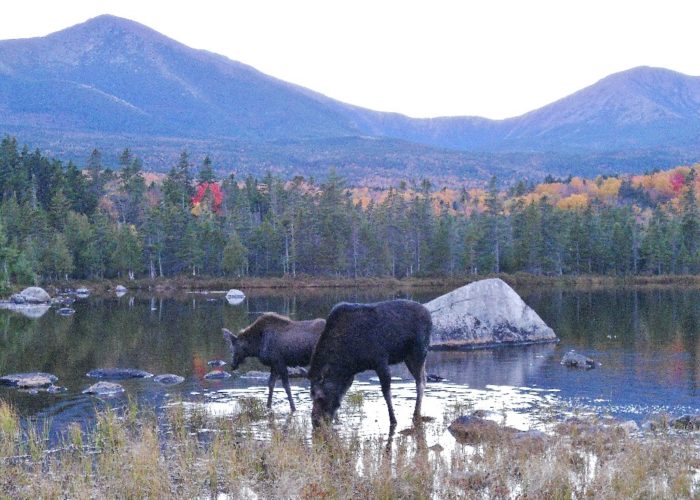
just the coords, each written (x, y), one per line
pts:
(310, 283)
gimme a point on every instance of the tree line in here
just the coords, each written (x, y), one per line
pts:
(60, 222)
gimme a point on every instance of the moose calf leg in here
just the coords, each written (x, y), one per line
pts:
(285, 381)
(271, 387)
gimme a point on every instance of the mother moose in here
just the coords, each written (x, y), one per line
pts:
(360, 337)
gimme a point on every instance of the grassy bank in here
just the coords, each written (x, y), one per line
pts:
(302, 283)
(194, 455)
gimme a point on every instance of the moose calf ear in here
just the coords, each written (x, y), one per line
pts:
(228, 335)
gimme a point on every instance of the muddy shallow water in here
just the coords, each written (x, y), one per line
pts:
(647, 341)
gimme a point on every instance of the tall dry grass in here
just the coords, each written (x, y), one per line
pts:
(191, 454)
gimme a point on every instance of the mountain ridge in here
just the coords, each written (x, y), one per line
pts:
(112, 77)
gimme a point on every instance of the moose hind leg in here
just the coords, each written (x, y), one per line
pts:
(385, 380)
(271, 387)
(417, 369)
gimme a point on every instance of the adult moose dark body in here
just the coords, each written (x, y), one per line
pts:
(278, 342)
(361, 337)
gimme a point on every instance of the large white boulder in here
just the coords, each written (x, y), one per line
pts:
(483, 314)
(35, 295)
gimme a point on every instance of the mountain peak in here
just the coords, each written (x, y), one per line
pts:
(107, 26)
(648, 75)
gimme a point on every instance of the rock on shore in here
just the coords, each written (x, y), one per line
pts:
(28, 380)
(485, 313)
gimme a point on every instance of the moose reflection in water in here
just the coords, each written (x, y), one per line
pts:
(361, 337)
(278, 342)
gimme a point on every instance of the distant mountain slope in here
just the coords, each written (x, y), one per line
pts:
(114, 75)
(112, 83)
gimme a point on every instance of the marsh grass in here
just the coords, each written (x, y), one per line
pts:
(186, 454)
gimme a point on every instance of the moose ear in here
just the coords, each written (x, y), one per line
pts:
(230, 337)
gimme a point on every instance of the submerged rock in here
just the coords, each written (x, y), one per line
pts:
(168, 379)
(28, 380)
(472, 429)
(104, 389)
(65, 311)
(485, 313)
(574, 360)
(118, 373)
(216, 362)
(217, 375)
(686, 422)
(431, 377)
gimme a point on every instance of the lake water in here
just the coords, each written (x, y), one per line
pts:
(647, 341)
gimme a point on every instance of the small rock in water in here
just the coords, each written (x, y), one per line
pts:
(575, 360)
(217, 375)
(235, 297)
(434, 378)
(216, 362)
(118, 373)
(55, 389)
(82, 293)
(65, 311)
(66, 301)
(104, 389)
(686, 422)
(254, 374)
(28, 380)
(18, 298)
(168, 379)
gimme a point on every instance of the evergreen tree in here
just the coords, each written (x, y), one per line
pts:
(177, 186)
(235, 257)
(206, 172)
(689, 226)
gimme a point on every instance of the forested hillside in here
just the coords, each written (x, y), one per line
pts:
(59, 222)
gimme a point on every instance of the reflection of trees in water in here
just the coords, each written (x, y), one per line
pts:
(513, 366)
(655, 329)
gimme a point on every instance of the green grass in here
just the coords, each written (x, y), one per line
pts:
(136, 455)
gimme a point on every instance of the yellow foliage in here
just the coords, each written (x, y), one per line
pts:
(609, 189)
(578, 185)
(573, 202)
(553, 191)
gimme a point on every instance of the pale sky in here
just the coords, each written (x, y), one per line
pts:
(496, 59)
